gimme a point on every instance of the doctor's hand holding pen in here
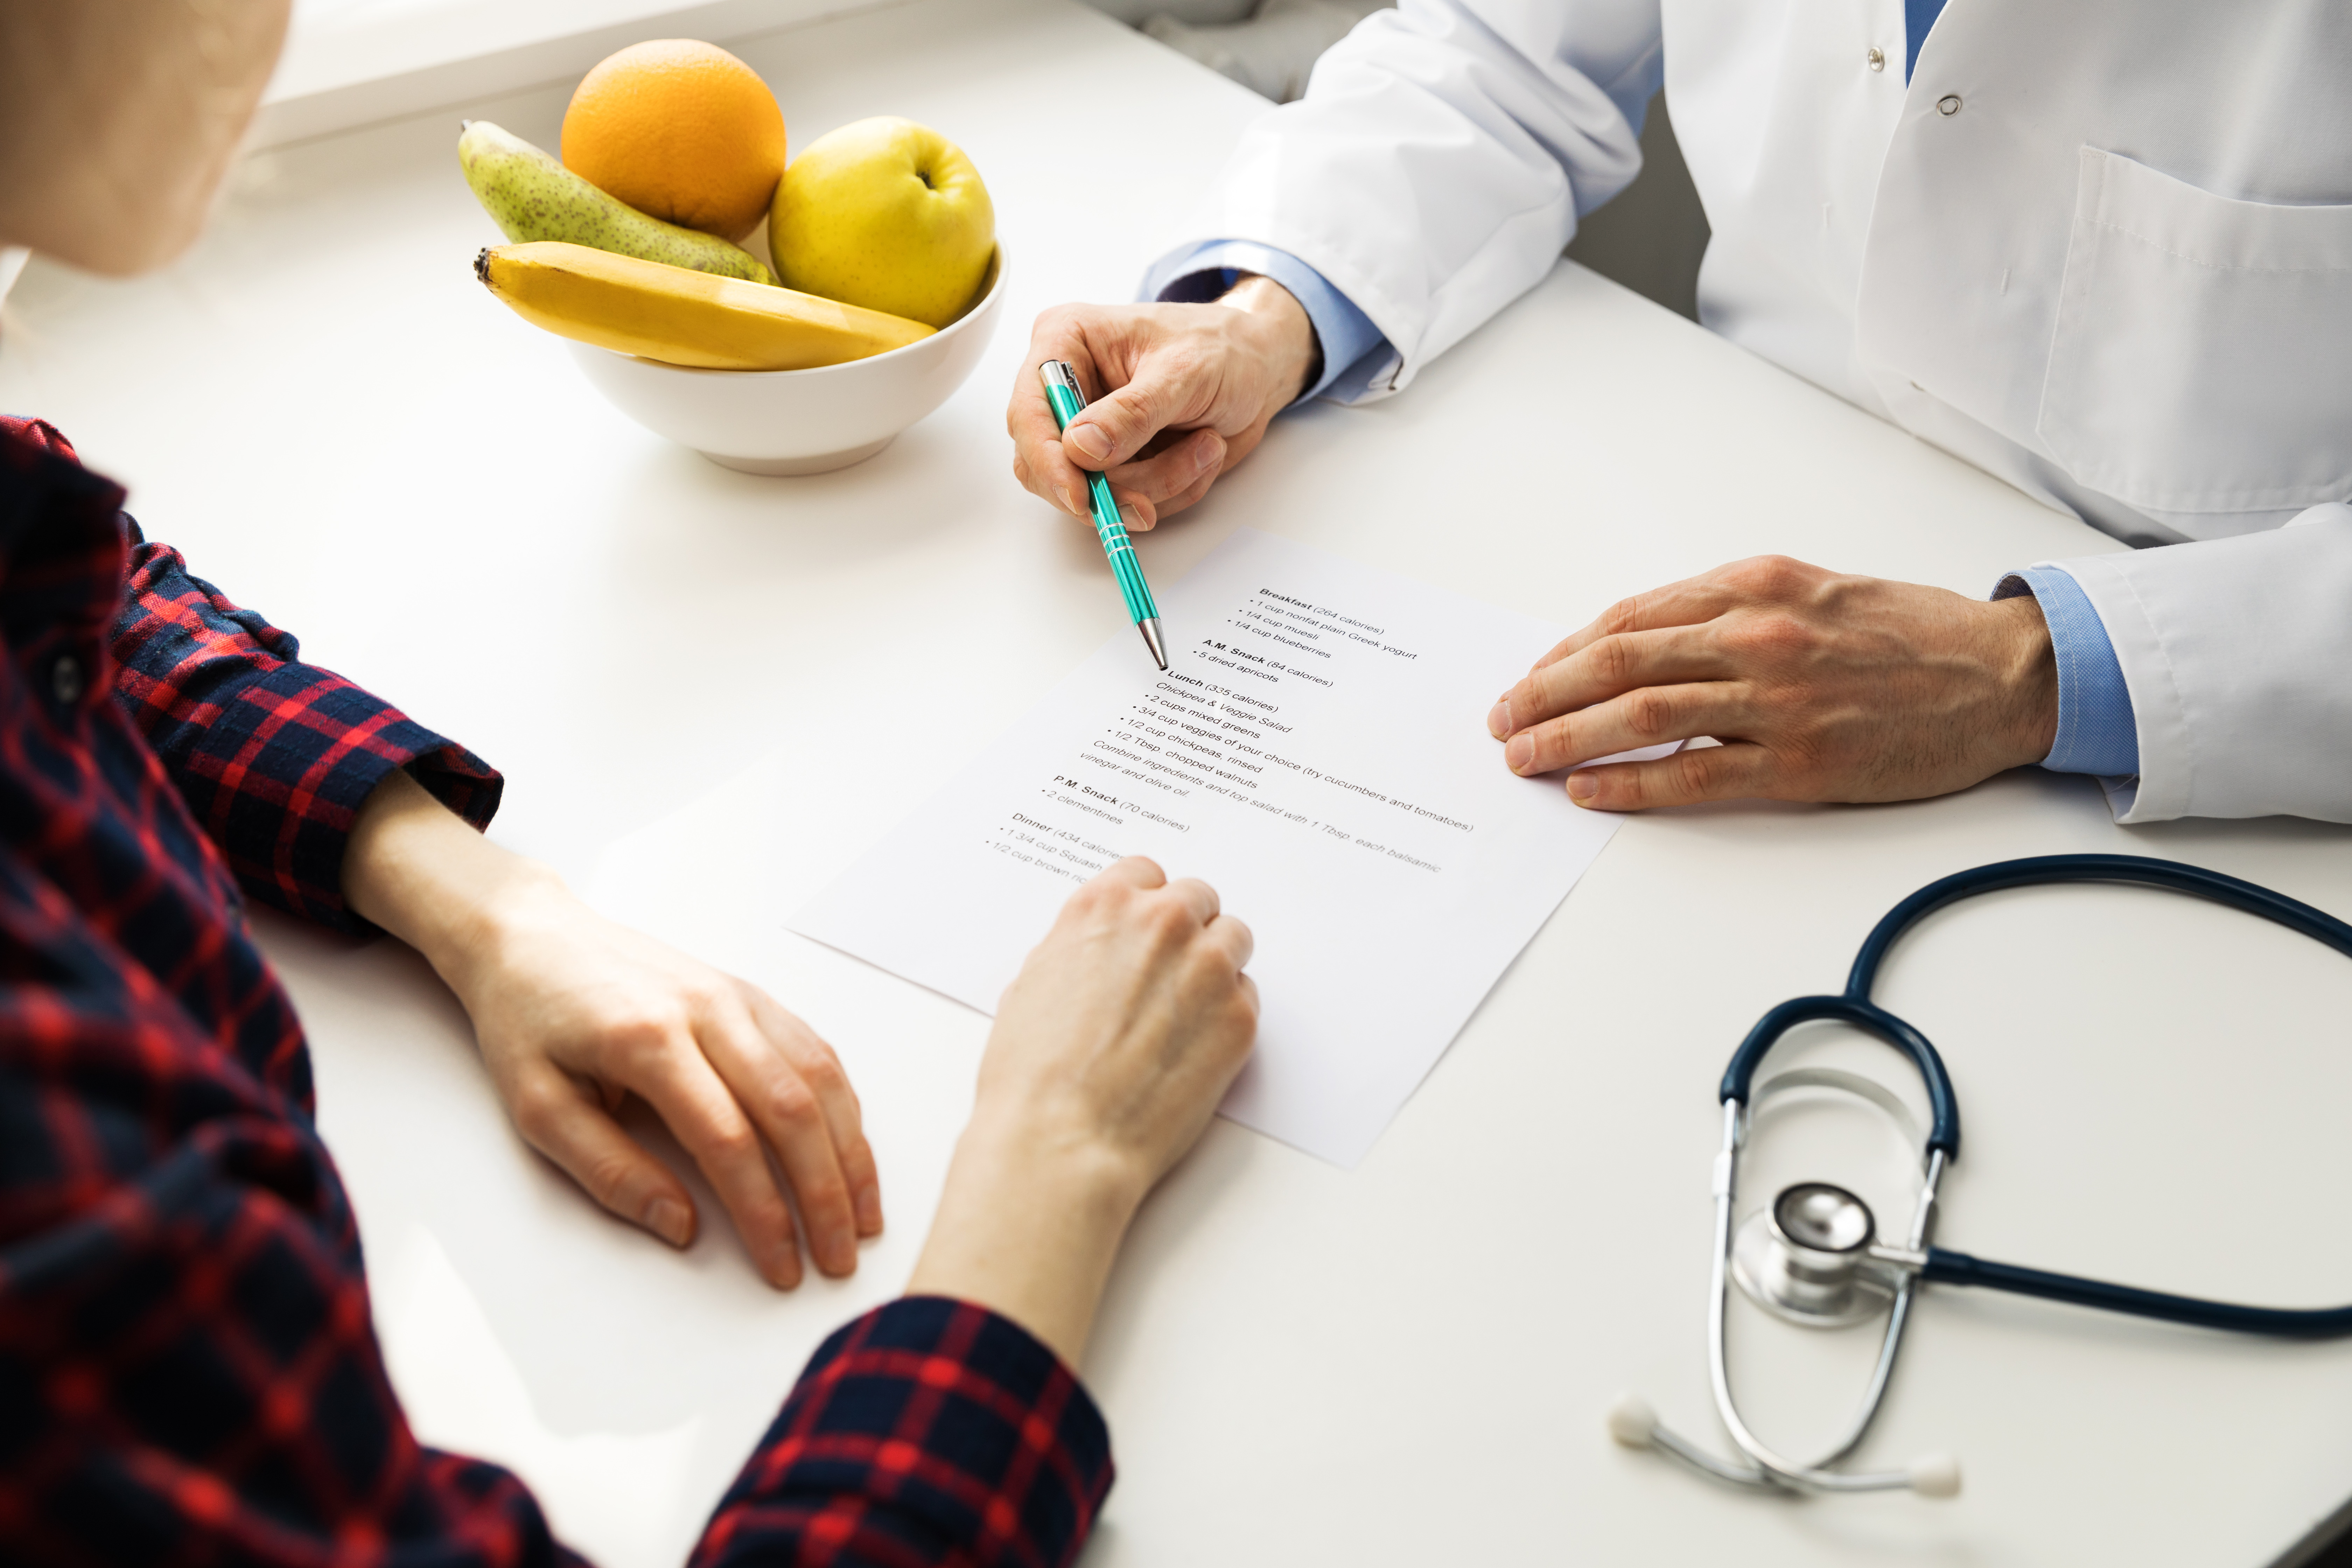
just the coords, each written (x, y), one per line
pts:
(1177, 394)
(1821, 686)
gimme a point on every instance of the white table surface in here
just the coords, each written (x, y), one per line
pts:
(711, 691)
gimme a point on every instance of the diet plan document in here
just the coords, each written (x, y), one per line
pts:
(1317, 752)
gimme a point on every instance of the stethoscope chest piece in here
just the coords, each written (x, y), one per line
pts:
(1810, 1257)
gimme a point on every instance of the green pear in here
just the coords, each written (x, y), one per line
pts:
(533, 196)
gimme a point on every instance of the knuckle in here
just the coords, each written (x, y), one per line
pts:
(793, 1104)
(606, 1175)
(1167, 920)
(538, 1110)
(698, 994)
(1752, 576)
(1612, 659)
(1620, 618)
(1771, 636)
(732, 1140)
(1780, 577)
(824, 1073)
(642, 1037)
(1209, 966)
(1651, 713)
(1694, 772)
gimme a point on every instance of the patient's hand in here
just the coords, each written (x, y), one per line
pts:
(576, 1013)
(1182, 393)
(1110, 1052)
(1821, 686)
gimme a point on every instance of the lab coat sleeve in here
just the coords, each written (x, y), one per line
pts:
(2236, 652)
(1440, 159)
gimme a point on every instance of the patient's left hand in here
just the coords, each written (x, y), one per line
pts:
(576, 1013)
(1820, 686)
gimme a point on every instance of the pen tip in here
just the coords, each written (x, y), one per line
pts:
(1150, 631)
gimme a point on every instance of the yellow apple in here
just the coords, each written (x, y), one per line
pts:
(886, 214)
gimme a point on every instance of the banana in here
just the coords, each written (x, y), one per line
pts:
(533, 196)
(682, 317)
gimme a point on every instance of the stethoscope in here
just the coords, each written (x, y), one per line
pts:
(1812, 1256)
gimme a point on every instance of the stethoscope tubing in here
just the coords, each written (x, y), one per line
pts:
(1942, 1266)
(1945, 1267)
(2140, 870)
(1918, 1262)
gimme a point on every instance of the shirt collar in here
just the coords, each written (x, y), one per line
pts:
(63, 546)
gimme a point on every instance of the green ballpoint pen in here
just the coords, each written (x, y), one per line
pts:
(1062, 392)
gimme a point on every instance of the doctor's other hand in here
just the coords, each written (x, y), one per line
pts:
(1821, 686)
(1177, 394)
(1111, 1049)
(574, 1014)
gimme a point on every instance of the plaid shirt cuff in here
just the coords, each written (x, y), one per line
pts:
(274, 757)
(928, 1431)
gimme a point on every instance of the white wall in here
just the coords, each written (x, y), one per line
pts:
(348, 62)
(1199, 13)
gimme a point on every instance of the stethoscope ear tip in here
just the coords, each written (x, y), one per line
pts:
(1934, 1474)
(1632, 1423)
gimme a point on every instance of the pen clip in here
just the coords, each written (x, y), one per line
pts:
(1060, 373)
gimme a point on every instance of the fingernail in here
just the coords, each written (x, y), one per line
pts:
(1132, 519)
(1582, 786)
(1088, 439)
(671, 1220)
(1209, 452)
(1498, 723)
(869, 1211)
(1520, 754)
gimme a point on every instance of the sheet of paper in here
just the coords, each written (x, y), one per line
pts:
(1317, 753)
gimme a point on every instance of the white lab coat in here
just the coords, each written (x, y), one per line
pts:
(2099, 248)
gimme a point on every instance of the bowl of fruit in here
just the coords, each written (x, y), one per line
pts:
(887, 276)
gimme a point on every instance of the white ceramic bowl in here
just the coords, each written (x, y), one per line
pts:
(798, 421)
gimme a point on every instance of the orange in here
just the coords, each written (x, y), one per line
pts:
(681, 131)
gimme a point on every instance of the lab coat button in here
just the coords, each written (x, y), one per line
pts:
(1949, 105)
(1877, 58)
(65, 679)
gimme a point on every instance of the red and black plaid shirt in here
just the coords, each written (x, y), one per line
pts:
(188, 1372)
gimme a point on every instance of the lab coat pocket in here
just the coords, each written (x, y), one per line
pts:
(2199, 364)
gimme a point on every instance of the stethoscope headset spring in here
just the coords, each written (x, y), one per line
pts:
(1813, 1255)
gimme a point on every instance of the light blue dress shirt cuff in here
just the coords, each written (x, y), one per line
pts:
(2096, 733)
(1344, 334)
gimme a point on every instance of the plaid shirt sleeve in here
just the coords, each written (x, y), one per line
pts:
(929, 1431)
(188, 1369)
(273, 757)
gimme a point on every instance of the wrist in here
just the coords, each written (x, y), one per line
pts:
(1028, 1225)
(1036, 1153)
(1286, 329)
(2031, 678)
(415, 869)
(483, 914)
